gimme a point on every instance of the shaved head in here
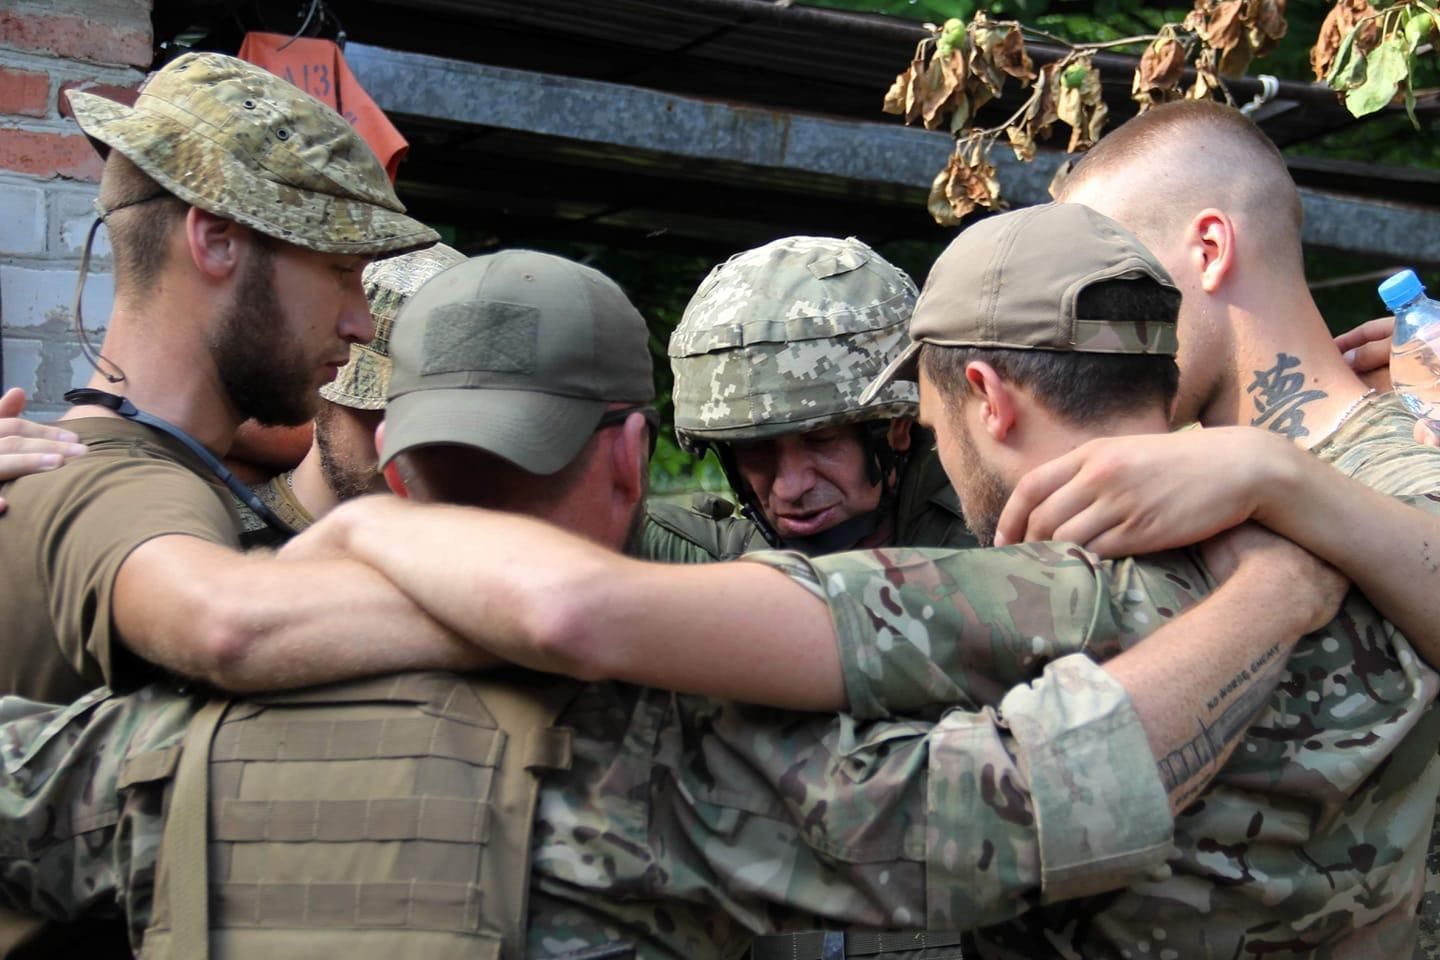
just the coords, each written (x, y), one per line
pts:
(1157, 171)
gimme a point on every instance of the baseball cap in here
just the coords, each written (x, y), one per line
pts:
(363, 382)
(518, 353)
(1014, 280)
(241, 143)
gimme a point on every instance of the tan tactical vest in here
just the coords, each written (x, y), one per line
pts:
(381, 818)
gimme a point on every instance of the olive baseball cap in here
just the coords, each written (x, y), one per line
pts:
(362, 384)
(241, 143)
(1013, 281)
(518, 353)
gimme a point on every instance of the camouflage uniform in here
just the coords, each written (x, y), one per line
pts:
(783, 339)
(1311, 840)
(684, 824)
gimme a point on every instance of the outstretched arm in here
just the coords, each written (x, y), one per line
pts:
(536, 595)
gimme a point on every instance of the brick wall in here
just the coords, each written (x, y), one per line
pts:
(48, 177)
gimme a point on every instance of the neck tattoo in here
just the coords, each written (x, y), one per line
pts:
(1280, 397)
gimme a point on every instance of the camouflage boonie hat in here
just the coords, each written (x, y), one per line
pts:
(363, 383)
(786, 337)
(1013, 281)
(241, 143)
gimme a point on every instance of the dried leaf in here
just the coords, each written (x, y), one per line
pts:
(985, 55)
(1340, 23)
(1235, 58)
(1011, 57)
(1057, 182)
(1206, 81)
(938, 203)
(1078, 99)
(1224, 24)
(1268, 26)
(1159, 72)
(935, 92)
(960, 112)
(1022, 141)
(895, 96)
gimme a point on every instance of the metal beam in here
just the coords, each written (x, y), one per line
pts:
(664, 125)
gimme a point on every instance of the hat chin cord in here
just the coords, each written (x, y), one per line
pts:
(95, 358)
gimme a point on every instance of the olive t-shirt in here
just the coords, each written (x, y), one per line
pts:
(64, 538)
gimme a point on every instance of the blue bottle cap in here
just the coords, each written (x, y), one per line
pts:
(1400, 289)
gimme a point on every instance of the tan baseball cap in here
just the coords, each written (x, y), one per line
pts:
(364, 382)
(1013, 281)
(518, 353)
(238, 141)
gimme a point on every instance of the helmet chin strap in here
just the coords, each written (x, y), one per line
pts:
(881, 462)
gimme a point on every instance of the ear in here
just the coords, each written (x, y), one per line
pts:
(630, 458)
(1212, 248)
(898, 435)
(215, 245)
(996, 400)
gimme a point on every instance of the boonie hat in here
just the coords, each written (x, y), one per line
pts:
(363, 383)
(1013, 281)
(517, 353)
(241, 143)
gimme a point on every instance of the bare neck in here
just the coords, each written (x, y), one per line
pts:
(168, 370)
(1286, 375)
(310, 487)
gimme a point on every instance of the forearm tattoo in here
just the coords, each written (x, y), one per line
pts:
(1227, 715)
(1280, 396)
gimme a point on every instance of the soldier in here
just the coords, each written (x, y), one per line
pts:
(1255, 351)
(770, 359)
(241, 213)
(340, 464)
(1313, 841)
(393, 815)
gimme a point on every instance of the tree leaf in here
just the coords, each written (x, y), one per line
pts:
(1385, 69)
(895, 96)
(1347, 68)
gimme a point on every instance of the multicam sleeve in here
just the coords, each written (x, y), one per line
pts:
(1060, 800)
(55, 799)
(923, 630)
(907, 824)
(63, 797)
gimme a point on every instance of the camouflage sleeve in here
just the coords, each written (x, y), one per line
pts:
(64, 797)
(921, 630)
(899, 824)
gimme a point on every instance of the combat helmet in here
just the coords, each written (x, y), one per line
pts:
(785, 338)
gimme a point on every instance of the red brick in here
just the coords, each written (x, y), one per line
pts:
(49, 155)
(77, 38)
(24, 92)
(125, 95)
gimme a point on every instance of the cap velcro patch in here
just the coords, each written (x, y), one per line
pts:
(482, 335)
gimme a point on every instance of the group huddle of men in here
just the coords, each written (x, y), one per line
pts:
(1004, 669)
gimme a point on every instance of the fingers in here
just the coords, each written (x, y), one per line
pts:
(1427, 432)
(13, 427)
(20, 456)
(1369, 356)
(1015, 525)
(12, 403)
(1370, 331)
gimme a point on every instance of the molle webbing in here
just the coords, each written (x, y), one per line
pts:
(361, 818)
(870, 944)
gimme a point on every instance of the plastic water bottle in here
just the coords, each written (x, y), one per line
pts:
(1415, 350)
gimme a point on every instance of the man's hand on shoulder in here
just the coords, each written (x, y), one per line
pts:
(27, 447)
(1122, 496)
